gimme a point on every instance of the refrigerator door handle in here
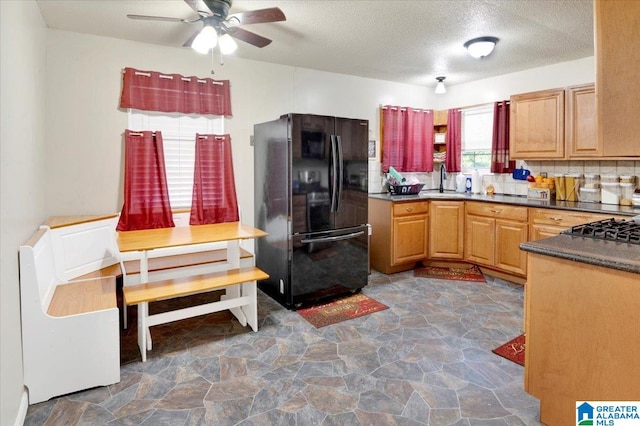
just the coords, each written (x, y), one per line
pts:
(340, 172)
(338, 238)
(334, 165)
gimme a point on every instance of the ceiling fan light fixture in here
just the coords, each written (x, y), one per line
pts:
(481, 46)
(205, 40)
(227, 44)
(440, 89)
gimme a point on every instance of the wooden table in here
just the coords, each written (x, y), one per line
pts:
(141, 245)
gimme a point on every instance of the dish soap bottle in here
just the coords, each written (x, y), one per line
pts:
(460, 182)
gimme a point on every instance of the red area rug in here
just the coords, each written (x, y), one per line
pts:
(350, 307)
(471, 273)
(513, 350)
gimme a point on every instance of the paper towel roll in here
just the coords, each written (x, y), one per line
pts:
(476, 182)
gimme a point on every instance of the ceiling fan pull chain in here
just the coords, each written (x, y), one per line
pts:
(212, 63)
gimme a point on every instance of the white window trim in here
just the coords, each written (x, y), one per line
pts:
(485, 108)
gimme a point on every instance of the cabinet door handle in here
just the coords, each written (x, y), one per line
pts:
(495, 211)
(557, 219)
(409, 209)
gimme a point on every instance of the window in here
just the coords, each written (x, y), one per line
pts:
(477, 133)
(179, 138)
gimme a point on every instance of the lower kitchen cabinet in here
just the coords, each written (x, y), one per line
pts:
(446, 230)
(544, 223)
(493, 236)
(399, 235)
(410, 226)
(582, 336)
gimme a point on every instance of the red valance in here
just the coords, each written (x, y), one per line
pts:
(154, 91)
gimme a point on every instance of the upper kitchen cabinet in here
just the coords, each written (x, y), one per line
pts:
(555, 124)
(440, 118)
(537, 125)
(581, 135)
(617, 55)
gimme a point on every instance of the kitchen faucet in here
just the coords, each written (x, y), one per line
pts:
(443, 177)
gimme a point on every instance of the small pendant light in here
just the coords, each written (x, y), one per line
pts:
(440, 86)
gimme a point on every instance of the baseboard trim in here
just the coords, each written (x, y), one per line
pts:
(22, 409)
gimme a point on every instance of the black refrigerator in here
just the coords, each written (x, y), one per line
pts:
(311, 184)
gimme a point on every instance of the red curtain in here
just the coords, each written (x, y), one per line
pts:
(500, 162)
(419, 141)
(453, 141)
(146, 196)
(393, 125)
(153, 91)
(407, 139)
(214, 190)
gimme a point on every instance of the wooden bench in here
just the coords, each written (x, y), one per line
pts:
(70, 330)
(243, 296)
(178, 265)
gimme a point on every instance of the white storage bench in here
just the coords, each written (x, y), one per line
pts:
(70, 329)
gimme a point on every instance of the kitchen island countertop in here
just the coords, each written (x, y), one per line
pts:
(610, 254)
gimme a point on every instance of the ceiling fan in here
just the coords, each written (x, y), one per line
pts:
(219, 27)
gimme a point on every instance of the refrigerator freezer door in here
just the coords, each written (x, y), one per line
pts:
(310, 162)
(327, 264)
(352, 147)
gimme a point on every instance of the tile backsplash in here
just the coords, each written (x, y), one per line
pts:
(504, 183)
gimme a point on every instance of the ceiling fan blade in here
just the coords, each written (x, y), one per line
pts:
(248, 37)
(273, 14)
(161, 18)
(198, 6)
(189, 41)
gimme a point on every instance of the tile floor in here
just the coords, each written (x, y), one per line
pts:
(425, 361)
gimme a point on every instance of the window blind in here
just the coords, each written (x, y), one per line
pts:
(179, 136)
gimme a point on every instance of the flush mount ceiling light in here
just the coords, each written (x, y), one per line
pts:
(481, 46)
(440, 86)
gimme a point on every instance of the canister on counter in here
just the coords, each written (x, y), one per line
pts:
(610, 192)
(561, 193)
(572, 186)
(590, 195)
(626, 193)
(591, 181)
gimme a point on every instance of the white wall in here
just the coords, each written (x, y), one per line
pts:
(22, 177)
(84, 125)
(499, 88)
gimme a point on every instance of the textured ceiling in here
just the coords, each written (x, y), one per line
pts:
(403, 41)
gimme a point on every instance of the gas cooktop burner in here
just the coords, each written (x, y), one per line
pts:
(621, 231)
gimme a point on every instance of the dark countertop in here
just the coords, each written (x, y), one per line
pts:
(610, 254)
(513, 200)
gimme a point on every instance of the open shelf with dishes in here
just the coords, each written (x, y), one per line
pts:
(439, 136)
